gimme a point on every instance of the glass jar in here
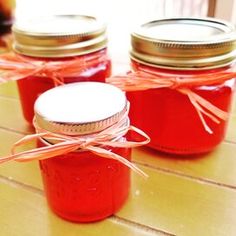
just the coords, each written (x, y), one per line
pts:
(59, 40)
(81, 185)
(165, 49)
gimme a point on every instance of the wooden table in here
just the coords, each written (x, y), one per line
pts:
(183, 196)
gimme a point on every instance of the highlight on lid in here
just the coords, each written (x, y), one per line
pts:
(80, 108)
(59, 36)
(167, 43)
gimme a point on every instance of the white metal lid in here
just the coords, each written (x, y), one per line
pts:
(80, 108)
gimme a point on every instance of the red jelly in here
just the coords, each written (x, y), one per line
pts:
(59, 39)
(166, 49)
(81, 185)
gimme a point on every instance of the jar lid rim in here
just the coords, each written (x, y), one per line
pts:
(215, 31)
(169, 41)
(80, 108)
(59, 35)
(47, 26)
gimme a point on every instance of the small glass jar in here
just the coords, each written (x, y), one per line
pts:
(180, 48)
(60, 38)
(82, 186)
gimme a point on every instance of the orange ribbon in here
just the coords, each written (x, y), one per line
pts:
(143, 78)
(96, 143)
(15, 67)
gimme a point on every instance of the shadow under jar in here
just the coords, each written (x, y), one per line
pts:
(64, 49)
(185, 55)
(82, 186)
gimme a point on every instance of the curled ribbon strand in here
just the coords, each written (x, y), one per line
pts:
(15, 67)
(143, 78)
(97, 143)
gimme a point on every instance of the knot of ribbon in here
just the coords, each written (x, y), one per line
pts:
(144, 78)
(15, 67)
(99, 143)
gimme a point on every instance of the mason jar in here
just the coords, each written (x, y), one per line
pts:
(81, 185)
(187, 68)
(58, 50)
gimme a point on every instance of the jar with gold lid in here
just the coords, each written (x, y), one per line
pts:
(182, 82)
(55, 50)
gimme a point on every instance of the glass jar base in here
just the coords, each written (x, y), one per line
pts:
(182, 151)
(79, 218)
(83, 187)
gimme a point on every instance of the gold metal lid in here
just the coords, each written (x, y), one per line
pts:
(184, 43)
(80, 108)
(59, 36)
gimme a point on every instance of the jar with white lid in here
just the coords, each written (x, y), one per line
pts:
(91, 181)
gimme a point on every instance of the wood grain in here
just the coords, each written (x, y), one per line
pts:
(26, 173)
(25, 213)
(9, 89)
(181, 206)
(11, 117)
(231, 134)
(218, 167)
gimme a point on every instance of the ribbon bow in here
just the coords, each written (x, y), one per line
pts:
(96, 143)
(143, 78)
(14, 66)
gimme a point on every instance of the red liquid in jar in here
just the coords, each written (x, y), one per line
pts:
(171, 121)
(31, 87)
(83, 187)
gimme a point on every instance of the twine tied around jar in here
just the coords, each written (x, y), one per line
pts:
(95, 143)
(143, 78)
(14, 66)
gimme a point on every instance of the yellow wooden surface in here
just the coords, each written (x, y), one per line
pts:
(181, 206)
(183, 196)
(11, 116)
(27, 173)
(25, 213)
(231, 132)
(9, 89)
(218, 166)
